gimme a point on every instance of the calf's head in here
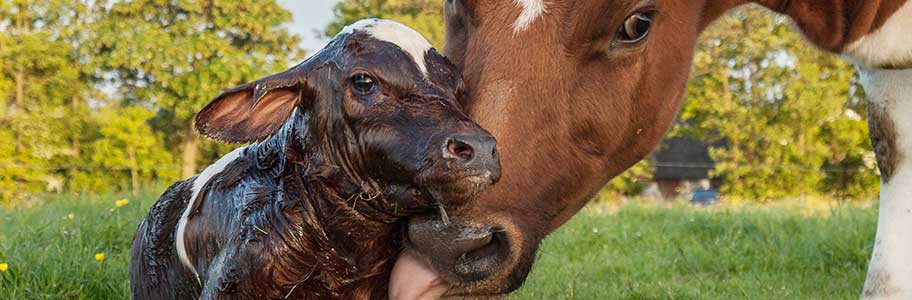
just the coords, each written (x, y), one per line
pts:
(378, 105)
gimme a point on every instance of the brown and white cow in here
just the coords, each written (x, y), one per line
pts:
(576, 91)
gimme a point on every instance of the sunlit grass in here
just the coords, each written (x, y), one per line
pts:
(78, 248)
(782, 251)
(70, 248)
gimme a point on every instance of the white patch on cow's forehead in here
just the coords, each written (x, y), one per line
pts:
(197, 187)
(400, 35)
(531, 10)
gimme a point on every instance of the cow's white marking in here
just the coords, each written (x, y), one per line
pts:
(890, 270)
(531, 10)
(198, 185)
(400, 35)
(891, 44)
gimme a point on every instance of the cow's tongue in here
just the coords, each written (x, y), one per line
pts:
(413, 280)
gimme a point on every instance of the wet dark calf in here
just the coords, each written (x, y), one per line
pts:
(362, 134)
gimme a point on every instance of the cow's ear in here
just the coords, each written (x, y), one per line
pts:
(256, 110)
(459, 19)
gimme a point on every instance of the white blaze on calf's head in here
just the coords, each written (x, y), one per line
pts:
(400, 35)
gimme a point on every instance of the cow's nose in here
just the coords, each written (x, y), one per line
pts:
(475, 152)
(468, 251)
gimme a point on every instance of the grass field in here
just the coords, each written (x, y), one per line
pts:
(637, 252)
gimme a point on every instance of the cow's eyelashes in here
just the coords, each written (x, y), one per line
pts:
(363, 84)
(635, 27)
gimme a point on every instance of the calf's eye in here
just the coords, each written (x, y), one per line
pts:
(636, 27)
(363, 84)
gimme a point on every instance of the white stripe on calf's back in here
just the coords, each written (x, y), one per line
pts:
(198, 185)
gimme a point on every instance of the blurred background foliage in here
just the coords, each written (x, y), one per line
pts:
(791, 119)
(99, 95)
(425, 16)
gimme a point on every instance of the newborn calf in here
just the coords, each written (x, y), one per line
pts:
(365, 132)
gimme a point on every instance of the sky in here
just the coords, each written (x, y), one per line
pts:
(310, 17)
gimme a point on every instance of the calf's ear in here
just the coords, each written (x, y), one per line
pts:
(256, 110)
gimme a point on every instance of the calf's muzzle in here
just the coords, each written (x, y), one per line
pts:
(476, 153)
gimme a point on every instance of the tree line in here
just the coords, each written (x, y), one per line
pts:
(99, 95)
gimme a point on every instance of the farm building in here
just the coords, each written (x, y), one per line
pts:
(681, 166)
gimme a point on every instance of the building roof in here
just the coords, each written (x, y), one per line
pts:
(682, 158)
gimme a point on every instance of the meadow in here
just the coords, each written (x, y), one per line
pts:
(70, 248)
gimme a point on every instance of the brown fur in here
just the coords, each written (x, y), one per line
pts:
(833, 25)
(883, 138)
(570, 112)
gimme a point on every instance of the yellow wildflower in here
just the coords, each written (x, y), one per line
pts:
(3, 267)
(99, 256)
(121, 203)
(71, 216)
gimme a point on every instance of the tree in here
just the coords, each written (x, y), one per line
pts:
(177, 55)
(92, 91)
(789, 116)
(425, 16)
(128, 143)
(37, 73)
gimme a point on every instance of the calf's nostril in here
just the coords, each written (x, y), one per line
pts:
(460, 149)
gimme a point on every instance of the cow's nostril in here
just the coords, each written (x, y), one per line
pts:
(460, 149)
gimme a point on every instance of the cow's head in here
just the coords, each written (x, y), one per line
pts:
(377, 105)
(576, 91)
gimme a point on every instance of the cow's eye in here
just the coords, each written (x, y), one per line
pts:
(363, 84)
(636, 27)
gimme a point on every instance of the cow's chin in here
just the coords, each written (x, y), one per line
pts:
(430, 270)
(413, 278)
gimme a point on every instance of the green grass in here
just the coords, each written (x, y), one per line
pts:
(639, 252)
(690, 253)
(53, 257)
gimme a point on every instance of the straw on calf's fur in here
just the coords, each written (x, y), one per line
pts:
(363, 133)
